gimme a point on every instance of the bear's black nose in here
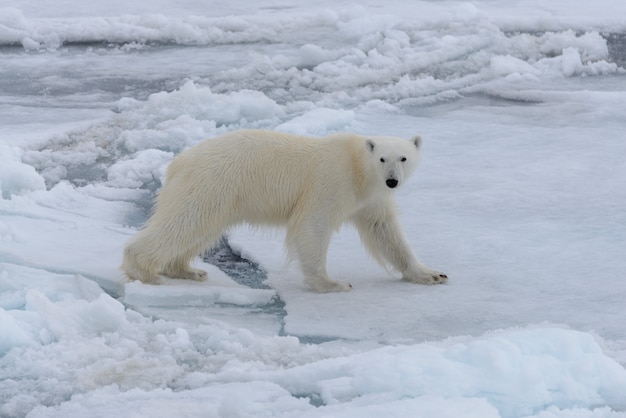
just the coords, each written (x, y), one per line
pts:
(391, 183)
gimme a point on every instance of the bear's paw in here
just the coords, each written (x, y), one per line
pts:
(327, 285)
(427, 277)
(188, 274)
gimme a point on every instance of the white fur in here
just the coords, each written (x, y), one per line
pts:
(309, 185)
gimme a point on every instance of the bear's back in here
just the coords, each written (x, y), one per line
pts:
(263, 176)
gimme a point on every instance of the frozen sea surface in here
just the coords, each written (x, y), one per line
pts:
(520, 199)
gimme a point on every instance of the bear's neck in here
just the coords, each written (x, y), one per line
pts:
(365, 175)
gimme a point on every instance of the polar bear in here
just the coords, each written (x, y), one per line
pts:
(310, 185)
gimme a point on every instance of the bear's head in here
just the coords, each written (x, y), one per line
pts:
(394, 158)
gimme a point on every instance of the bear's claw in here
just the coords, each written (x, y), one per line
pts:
(440, 278)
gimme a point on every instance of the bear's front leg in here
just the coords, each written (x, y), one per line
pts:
(381, 234)
(309, 240)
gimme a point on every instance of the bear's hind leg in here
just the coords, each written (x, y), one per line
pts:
(186, 273)
(180, 268)
(136, 264)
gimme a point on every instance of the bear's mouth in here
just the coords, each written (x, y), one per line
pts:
(391, 183)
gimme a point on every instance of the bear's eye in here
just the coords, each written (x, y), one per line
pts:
(403, 159)
(382, 160)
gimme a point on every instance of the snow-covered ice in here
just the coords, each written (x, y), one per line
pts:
(520, 199)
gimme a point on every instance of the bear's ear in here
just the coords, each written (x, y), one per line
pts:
(370, 145)
(417, 141)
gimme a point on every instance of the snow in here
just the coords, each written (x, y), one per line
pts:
(519, 199)
(15, 177)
